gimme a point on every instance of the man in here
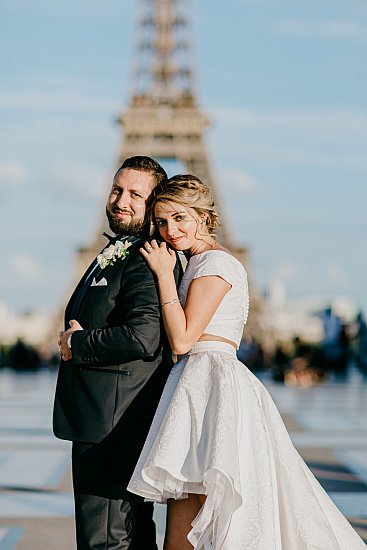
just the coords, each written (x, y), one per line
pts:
(114, 364)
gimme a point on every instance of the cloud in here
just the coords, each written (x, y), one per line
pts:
(336, 274)
(23, 267)
(12, 173)
(239, 181)
(302, 278)
(81, 181)
(92, 8)
(332, 29)
(321, 119)
(333, 137)
(48, 99)
(286, 270)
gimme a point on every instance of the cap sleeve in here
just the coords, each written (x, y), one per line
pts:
(214, 263)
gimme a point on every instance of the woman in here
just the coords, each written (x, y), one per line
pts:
(217, 451)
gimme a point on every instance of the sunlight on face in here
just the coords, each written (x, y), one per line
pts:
(177, 224)
(127, 200)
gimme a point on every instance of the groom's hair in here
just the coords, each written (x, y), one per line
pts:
(145, 164)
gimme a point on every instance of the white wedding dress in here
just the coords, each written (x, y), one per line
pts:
(217, 432)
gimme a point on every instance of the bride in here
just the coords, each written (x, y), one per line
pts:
(217, 451)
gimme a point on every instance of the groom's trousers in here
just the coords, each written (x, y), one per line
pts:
(107, 516)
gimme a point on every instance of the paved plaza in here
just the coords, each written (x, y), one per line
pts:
(327, 423)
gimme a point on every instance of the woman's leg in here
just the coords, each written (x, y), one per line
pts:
(180, 514)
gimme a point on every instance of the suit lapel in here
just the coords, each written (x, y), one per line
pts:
(87, 280)
(79, 293)
(74, 301)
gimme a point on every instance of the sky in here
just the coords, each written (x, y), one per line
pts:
(284, 83)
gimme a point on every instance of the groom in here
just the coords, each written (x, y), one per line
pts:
(114, 364)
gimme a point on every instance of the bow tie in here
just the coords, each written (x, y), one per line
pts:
(113, 239)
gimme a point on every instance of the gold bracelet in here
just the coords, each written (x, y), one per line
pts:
(170, 303)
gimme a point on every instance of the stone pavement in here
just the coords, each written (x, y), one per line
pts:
(327, 423)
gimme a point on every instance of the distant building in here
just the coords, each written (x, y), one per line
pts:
(283, 319)
(30, 327)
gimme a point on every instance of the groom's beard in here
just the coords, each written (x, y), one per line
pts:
(123, 229)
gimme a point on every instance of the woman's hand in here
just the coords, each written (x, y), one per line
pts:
(160, 259)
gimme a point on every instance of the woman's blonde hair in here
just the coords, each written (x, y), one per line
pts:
(190, 192)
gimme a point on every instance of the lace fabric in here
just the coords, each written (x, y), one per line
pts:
(217, 432)
(231, 316)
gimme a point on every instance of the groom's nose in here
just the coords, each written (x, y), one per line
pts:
(123, 200)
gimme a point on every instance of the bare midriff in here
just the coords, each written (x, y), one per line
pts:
(211, 338)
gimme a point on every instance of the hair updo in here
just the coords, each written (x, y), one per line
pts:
(190, 192)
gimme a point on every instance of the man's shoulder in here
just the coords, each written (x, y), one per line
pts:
(135, 265)
(134, 255)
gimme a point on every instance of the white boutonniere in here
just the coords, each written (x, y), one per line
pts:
(112, 253)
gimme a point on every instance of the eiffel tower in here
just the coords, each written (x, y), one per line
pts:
(163, 119)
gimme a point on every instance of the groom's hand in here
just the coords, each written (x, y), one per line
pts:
(65, 350)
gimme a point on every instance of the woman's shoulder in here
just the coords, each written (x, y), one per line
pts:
(216, 256)
(217, 261)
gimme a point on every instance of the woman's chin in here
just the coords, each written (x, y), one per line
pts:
(179, 247)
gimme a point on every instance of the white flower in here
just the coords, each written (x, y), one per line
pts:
(121, 248)
(102, 261)
(110, 254)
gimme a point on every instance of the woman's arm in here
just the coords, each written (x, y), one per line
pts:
(184, 326)
(203, 299)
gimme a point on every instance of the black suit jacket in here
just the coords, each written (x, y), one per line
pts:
(121, 359)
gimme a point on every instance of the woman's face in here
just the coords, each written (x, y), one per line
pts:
(177, 224)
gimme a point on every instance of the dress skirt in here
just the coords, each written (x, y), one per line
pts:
(218, 432)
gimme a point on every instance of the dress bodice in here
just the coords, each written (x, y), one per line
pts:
(231, 315)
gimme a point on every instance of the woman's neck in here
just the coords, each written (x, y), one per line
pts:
(201, 246)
